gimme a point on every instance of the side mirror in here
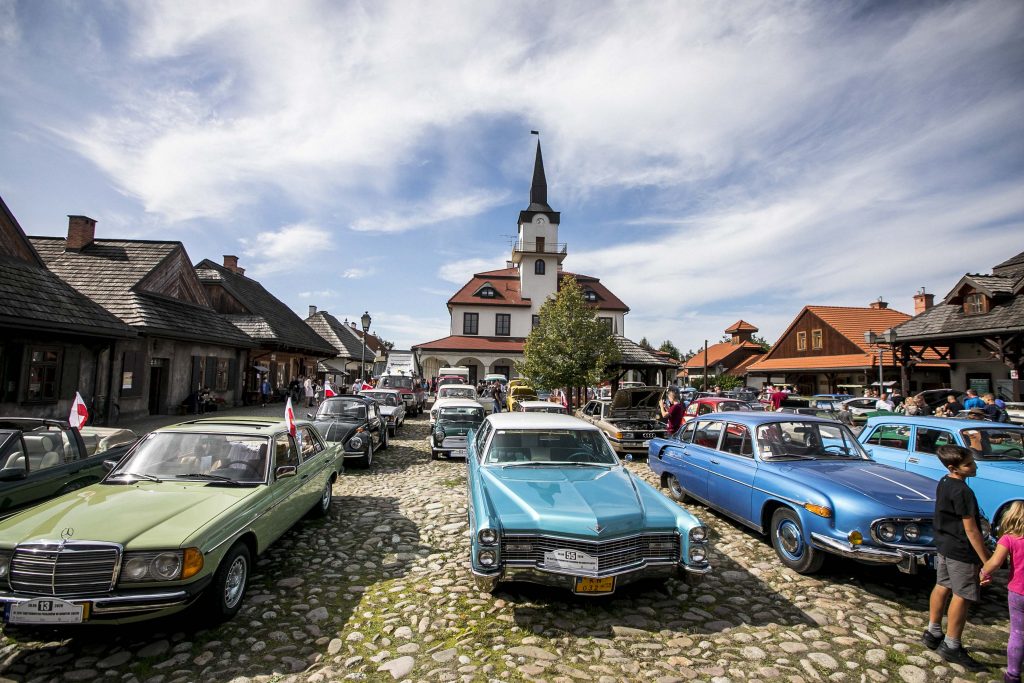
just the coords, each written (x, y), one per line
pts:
(285, 471)
(109, 464)
(13, 474)
(309, 415)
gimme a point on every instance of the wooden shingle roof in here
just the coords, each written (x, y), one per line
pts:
(343, 338)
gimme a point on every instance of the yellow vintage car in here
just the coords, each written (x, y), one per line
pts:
(517, 394)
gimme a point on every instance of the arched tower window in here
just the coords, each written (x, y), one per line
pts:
(538, 266)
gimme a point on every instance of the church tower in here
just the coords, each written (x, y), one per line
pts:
(537, 252)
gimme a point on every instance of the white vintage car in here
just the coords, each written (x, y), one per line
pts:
(392, 407)
(449, 392)
(541, 407)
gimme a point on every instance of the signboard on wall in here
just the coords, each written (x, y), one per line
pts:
(126, 380)
(979, 384)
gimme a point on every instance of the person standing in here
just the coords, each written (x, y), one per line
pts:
(498, 397)
(310, 391)
(961, 554)
(673, 412)
(265, 391)
(1011, 544)
(885, 403)
(973, 401)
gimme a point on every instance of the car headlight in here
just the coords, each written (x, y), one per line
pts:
(439, 434)
(698, 534)
(698, 554)
(487, 536)
(887, 531)
(163, 565)
(912, 532)
(5, 563)
(486, 558)
(356, 442)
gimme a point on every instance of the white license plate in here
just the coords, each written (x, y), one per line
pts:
(459, 453)
(570, 559)
(44, 611)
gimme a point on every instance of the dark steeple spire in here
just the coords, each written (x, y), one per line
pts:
(539, 188)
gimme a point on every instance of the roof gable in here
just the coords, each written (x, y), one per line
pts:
(849, 322)
(13, 241)
(175, 278)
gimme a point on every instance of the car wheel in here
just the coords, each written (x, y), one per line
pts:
(433, 454)
(324, 504)
(788, 540)
(676, 490)
(367, 459)
(224, 596)
(384, 439)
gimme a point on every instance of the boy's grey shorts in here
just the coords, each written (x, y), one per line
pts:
(959, 577)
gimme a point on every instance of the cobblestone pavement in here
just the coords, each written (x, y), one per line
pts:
(379, 591)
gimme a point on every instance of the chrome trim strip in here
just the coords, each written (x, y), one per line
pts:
(860, 552)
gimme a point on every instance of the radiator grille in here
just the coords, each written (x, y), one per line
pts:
(612, 554)
(64, 569)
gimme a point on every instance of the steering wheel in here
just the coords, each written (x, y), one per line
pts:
(580, 456)
(240, 468)
(835, 448)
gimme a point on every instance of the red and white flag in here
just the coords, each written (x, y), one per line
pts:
(328, 389)
(289, 416)
(366, 385)
(79, 413)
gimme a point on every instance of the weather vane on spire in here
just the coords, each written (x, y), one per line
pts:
(534, 132)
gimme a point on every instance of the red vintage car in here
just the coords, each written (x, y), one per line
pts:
(712, 404)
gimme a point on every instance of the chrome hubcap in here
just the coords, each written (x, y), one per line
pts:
(325, 501)
(235, 583)
(789, 539)
(673, 484)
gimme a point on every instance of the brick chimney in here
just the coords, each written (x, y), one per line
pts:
(240, 271)
(923, 301)
(81, 232)
(231, 263)
(312, 311)
(878, 305)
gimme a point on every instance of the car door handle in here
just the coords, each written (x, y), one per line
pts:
(913, 460)
(713, 461)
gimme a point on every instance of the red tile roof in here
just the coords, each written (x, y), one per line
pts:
(471, 343)
(721, 351)
(505, 282)
(853, 361)
(853, 322)
(740, 326)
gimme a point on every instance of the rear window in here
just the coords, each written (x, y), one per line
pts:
(395, 382)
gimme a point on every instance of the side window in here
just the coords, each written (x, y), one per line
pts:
(285, 452)
(311, 444)
(736, 440)
(706, 434)
(891, 436)
(705, 409)
(686, 433)
(928, 439)
(481, 438)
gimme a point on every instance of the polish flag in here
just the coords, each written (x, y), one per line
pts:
(366, 385)
(289, 416)
(79, 413)
(328, 389)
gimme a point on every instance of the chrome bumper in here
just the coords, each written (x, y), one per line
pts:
(906, 561)
(102, 607)
(487, 581)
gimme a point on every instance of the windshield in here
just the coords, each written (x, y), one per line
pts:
(994, 443)
(471, 415)
(170, 455)
(797, 439)
(383, 397)
(461, 391)
(343, 408)
(732, 406)
(395, 382)
(550, 447)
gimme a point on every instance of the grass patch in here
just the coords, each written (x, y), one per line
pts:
(454, 482)
(896, 657)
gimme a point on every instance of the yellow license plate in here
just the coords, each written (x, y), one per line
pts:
(586, 584)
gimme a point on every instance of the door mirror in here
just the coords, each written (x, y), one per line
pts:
(13, 474)
(309, 415)
(285, 471)
(109, 464)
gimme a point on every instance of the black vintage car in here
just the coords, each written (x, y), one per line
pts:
(41, 459)
(356, 422)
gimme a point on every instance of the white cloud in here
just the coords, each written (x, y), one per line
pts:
(459, 272)
(289, 248)
(431, 212)
(323, 293)
(356, 273)
(406, 330)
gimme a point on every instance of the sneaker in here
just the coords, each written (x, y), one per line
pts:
(958, 656)
(1007, 678)
(931, 642)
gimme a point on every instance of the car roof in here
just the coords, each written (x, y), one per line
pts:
(759, 418)
(539, 403)
(538, 421)
(240, 424)
(458, 403)
(947, 422)
(393, 391)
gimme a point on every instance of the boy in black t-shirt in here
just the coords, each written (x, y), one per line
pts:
(961, 552)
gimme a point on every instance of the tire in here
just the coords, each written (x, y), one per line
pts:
(367, 459)
(225, 595)
(676, 490)
(385, 439)
(787, 537)
(323, 505)
(433, 454)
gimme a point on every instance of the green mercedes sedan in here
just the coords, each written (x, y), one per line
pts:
(178, 521)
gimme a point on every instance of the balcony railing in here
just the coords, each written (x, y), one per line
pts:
(533, 247)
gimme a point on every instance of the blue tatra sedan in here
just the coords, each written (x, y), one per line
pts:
(550, 503)
(804, 481)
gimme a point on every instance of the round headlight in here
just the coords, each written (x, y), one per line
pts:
(698, 553)
(486, 558)
(887, 531)
(135, 569)
(911, 532)
(699, 534)
(356, 442)
(166, 566)
(488, 536)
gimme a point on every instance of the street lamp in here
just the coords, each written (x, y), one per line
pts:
(365, 320)
(876, 340)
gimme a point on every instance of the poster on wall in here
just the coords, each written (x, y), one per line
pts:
(979, 384)
(126, 380)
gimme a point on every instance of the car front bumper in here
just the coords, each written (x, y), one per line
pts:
(906, 561)
(119, 606)
(486, 581)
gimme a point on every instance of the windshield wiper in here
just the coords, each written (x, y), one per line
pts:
(139, 475)
(200, 475)
(789, 455)
(583, 464)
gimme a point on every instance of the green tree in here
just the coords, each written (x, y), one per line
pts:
(669, 348)
(569, 348)
(761, 341)
(726, 382)
(644, 344)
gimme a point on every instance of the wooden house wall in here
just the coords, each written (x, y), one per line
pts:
(832, 343)
(223, 302)
(176, 278)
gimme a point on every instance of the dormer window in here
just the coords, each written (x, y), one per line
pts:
(590, 295)
(975, 304)
(538, 267)
(487, 292)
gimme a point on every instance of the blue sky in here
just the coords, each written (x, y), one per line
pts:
(711, 160)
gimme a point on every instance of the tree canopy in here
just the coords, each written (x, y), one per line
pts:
(669, 348)
(569, 347)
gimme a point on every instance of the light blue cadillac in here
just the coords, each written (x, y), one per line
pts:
(806, 482)
(550, 503)
(910, 442)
